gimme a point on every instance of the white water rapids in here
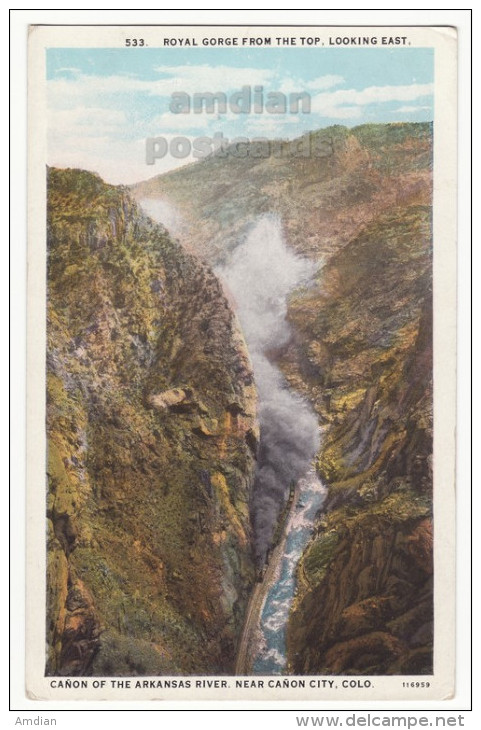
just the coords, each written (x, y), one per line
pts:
(260, 275)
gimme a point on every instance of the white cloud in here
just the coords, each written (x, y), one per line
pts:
(91, 118)
(116, 161)
(324, 82)
(177, 122)
(91, 91)
(202, 122)
(348, 103)
(278, 125)
(85, 122)
(65, 92)
(374, 94)
(291, 85)
(68, 69)
(198, 79)
(342, 112)
(411, 109)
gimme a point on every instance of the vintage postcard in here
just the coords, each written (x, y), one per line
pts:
(241, 386)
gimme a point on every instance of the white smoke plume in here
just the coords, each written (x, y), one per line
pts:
(165, 213)
(260, 275)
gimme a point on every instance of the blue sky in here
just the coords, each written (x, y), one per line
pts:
(104, 103)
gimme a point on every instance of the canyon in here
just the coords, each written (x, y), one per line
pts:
(153, 410)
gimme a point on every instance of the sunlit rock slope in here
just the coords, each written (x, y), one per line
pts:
(361, 351)
(151, 445)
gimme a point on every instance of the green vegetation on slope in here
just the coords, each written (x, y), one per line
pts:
(324, 199)
(150, 404)
(364, 599)
(362, 353)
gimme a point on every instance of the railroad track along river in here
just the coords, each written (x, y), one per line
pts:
(248, 644)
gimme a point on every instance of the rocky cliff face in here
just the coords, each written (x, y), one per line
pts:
(364, 599)
(325, 196)
(151, 421)
(361, 351)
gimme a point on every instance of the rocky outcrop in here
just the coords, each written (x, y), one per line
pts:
(324, 198)
(364, 602)
(152, 437)
(361, 351)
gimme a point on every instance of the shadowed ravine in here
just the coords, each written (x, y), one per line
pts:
(360, 352)
(259, 277)
(261, 274)
(163, 501)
